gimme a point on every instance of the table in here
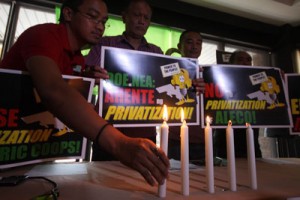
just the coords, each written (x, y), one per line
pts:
(277, 179)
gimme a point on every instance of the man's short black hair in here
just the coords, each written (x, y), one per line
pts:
(186, 32)
(235, 54)
(132, 2)
(73, 4)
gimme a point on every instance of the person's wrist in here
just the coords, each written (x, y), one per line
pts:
(112, 140)
(101, 130)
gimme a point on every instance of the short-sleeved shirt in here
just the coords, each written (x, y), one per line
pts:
(120, 41)
(50, 40)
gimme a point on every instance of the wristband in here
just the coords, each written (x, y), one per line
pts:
(100, 132)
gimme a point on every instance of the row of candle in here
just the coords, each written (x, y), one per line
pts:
(184, 135)
(184, 152)
(230, 156)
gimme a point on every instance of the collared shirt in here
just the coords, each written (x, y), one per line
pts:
(120, 41)
(49, 40)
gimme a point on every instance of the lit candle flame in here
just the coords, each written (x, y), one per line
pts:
(182, 115)
(208, 121)
(229, 123)
(165, 114)
(248, 124)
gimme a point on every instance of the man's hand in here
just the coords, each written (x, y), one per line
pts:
(96, 72)
(199, 83)
(143, 156)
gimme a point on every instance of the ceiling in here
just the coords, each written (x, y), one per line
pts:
(275, 12)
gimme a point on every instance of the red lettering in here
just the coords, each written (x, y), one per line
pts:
(219, 93)
(12, 117)
(130, 96)
(151, 97)
(297, 125)
(209, 90)
(135, 96)
(108, 98)
(8, 117)
(127, 95)
(119, 97)
(3, 112)
(213, 91)
(144, 96)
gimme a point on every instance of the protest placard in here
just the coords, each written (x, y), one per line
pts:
(140, 83)
(245, 94)
(29, 133)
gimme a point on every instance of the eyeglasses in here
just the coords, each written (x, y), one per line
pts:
(94, 19)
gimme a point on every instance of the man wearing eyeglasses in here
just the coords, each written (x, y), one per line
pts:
(137, 18)
(47, 51)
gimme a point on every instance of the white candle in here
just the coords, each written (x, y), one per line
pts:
(158, 136)
(231, 157)
(251, 156)
(209, 164)
(184, 156)
(164, 134)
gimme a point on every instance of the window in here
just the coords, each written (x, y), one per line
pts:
(208, 54)
(159, 35)
(24, 16)
(32, 16)
(163, 36)
(4, 12)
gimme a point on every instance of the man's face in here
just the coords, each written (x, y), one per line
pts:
(89, 21)
(243, 58)
(137, 19)
(191, 45)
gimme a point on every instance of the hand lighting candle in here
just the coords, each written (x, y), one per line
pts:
(184, 156)
(231, 156)
(164, 134)
(209, 164)
(251, 156)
